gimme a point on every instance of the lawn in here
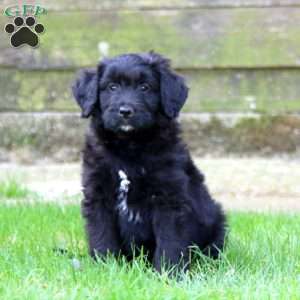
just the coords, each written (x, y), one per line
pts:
(43, 255)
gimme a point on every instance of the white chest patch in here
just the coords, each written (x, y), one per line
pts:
(122, 206)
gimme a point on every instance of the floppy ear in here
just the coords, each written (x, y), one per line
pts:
(173, 92)
(85, 91)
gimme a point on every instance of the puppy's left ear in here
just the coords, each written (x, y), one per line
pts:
(173, 93)
(85, 91)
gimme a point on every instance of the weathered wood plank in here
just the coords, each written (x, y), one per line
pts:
(64, 5)
(35, 91)
(210, 91)
(192, 39)
(270, 91)
(22, 136)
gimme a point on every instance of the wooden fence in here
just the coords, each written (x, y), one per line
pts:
(237, 55)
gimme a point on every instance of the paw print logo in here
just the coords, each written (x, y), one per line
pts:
(24, 32)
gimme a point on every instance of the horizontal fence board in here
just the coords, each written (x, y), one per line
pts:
(150, 4)
(202, 38)
(210, 90)
(244, 90)
(22, 135)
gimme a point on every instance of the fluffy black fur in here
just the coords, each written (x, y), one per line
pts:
(133, 101)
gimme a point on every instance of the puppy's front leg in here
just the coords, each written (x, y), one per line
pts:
(101, 229)
(172, 240)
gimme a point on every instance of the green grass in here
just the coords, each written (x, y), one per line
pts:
(13, 188)
(261, 261)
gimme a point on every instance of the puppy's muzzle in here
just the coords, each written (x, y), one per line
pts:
(126, 112)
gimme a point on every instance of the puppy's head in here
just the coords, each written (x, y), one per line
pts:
(130, 91)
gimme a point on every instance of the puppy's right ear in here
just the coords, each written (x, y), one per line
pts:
(173, 92)
(85, 91)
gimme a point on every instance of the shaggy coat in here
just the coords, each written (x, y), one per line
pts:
(141, 187)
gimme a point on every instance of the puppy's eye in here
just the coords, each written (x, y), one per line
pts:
(113, 86)
(144, 87)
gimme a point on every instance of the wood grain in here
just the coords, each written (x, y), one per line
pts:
(273, 91)
(202, 38)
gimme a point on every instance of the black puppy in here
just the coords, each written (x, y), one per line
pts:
(141, 187)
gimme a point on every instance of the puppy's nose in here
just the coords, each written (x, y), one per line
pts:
(126, 111)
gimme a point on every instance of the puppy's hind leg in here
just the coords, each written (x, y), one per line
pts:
(216, 237)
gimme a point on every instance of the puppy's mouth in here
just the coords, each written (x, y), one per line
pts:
(126, 128)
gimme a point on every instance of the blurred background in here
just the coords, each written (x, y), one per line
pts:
(241, 59)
